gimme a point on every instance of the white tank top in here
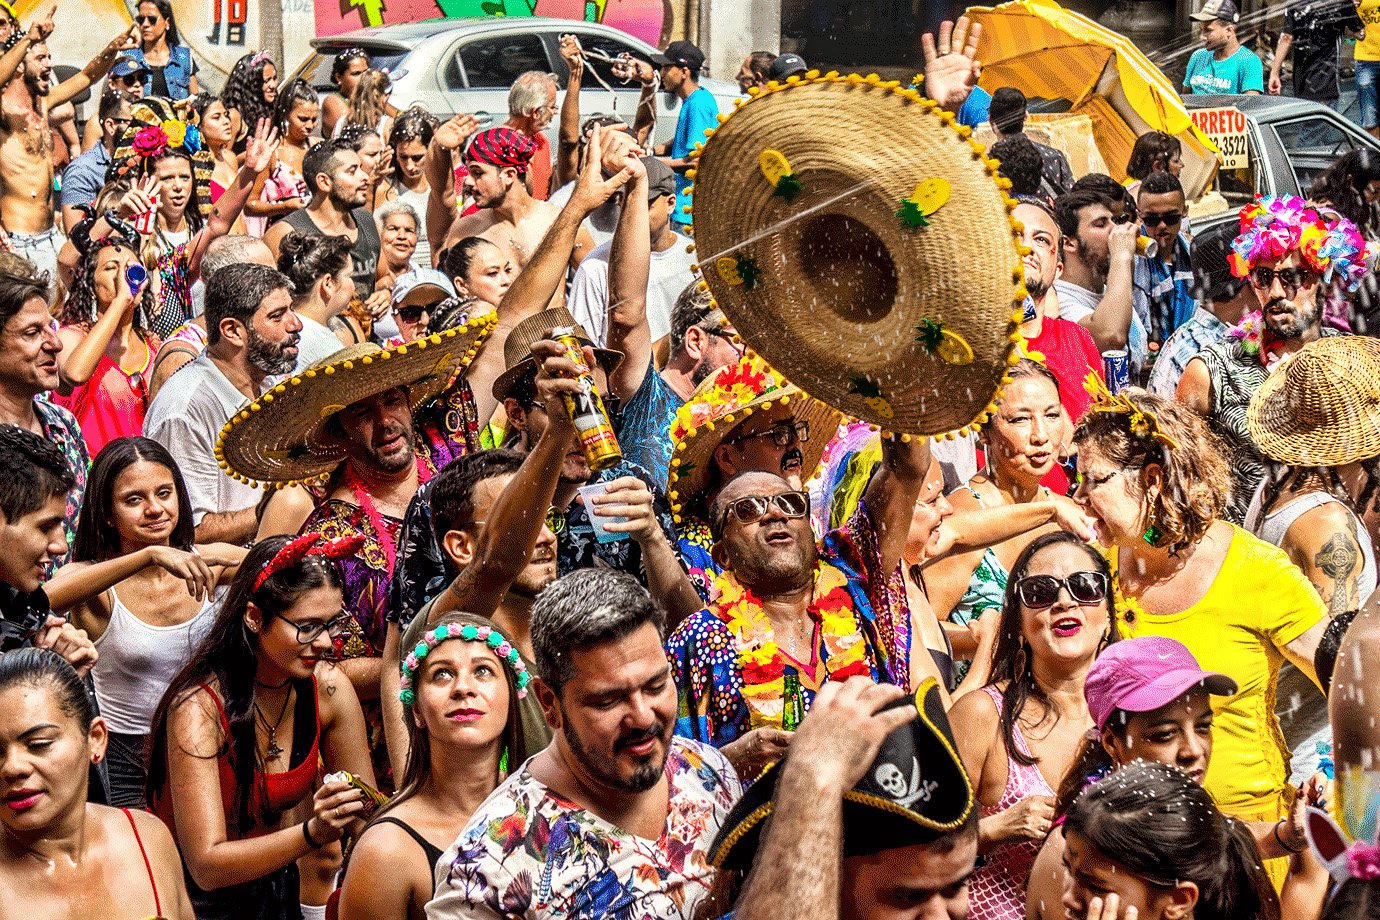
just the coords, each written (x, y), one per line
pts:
(138, 661)
(1277, 523)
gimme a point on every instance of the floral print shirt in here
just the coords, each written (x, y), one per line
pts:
(529, 852)
(60, 428)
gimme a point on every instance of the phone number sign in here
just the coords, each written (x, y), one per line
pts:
(1227, 129)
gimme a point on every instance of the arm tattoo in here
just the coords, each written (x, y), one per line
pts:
(1338, 561)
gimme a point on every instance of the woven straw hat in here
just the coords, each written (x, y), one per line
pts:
(726, 399)
(517, 348)
(1321, 407)
(280, 437)
(860, 241)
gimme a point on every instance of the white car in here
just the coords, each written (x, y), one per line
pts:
(467, 65)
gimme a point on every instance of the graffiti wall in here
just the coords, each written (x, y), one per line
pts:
(220, 31)
(643, 18)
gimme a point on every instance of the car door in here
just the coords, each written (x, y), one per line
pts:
(482, 69)
(603, 93)
(1312, 143)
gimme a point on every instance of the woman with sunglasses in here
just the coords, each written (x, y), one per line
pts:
(1022, 443)
(1151, 478)
(281, 189)
(1023, 730)
(409, 139)
(171, 67)
(141, 590)
(1147, 842)
(107, 348)
(241, 735)
(1151, 702)
(61, 855)
(464, 731)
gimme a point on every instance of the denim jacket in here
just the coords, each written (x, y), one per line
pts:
(178, 72)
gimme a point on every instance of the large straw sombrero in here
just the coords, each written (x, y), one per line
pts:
(861, 242)
(1321, 407)
(280, 437)
(727, 398)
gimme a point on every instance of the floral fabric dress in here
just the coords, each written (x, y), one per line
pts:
(530, 853)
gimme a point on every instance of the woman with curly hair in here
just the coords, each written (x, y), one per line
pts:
(106, 345)
(250, 92)
(1153, 478)
(1022, 731)
(281, 189)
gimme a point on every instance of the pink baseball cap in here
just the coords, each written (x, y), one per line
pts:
(1143, 674)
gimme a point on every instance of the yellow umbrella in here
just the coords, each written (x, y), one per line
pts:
(1049, 52)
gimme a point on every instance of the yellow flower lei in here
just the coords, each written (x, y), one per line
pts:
(844, 644)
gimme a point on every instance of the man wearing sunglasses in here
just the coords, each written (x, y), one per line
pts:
(1220, 381)
(83, 178)
(1163, 280)
(793, 614)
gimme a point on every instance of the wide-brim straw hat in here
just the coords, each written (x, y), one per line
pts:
(281, 436)
(723, 401)
(861, 242)
(517, 348)
(1321, 407)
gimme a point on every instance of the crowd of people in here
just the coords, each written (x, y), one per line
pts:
(397, 526)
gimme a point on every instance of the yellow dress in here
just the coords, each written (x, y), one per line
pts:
(1257, 604)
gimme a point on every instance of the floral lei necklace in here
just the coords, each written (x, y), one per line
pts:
(761, 660)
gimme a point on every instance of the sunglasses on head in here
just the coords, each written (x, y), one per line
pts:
(1040, 591)
(1169, 218)
(1291, 279)
(752, 508)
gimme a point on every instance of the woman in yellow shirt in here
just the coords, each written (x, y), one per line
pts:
(1154, 479)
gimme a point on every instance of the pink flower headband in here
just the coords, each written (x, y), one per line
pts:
(469, 633)
(1273, 226)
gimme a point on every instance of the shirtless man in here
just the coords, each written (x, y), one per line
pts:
(497, 161)
(26, 142)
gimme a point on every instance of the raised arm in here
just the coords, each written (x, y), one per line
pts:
(38, 31)
(82, 351)
(568, 138)
(440, 175)
(259, 152)
(1110, 321)
(891, 494)
(77, 583)
(95, 69)
(515, 521)
(630, 265)
(951, 67)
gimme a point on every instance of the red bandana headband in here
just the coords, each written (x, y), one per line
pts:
(308, 544)
(502, 147)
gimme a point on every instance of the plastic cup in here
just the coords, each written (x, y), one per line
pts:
(599, 521)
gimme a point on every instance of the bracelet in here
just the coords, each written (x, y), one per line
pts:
(307, 835)
(1280, 840)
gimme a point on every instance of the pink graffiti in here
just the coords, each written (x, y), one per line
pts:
(641, 18)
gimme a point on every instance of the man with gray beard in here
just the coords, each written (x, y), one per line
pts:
(252, 337)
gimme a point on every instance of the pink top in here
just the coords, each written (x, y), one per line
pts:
(997, 891)
(112, 403)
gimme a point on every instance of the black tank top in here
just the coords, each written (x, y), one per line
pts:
(364, 254)
(433, 852)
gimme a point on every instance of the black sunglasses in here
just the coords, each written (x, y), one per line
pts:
(147, 20)
(1040, 591)
(1291, 279)
(752, 508)
(781, 434)
(412, 313)
(1169, 218)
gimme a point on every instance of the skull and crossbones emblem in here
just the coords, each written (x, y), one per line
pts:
(893, 782)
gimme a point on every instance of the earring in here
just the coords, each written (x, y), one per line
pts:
(1152, 535)
(1021, 661)
(503, 762)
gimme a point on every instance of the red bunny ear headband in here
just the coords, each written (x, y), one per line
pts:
(308, 544)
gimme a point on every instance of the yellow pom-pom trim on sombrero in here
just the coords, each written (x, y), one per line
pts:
(279, 438)
(727, 398)
(888, 228)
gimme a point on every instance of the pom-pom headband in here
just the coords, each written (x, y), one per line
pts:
(1143, 424)
(308, 544)
(1273, 226)
(470, 633)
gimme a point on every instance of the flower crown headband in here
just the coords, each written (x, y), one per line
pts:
(1143, 424)
(1273, 226)
(308, 544)
(469, 633)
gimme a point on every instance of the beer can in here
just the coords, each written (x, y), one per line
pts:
(371, 798)
(1145, 246)
(587, 408)
(1116, 366)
